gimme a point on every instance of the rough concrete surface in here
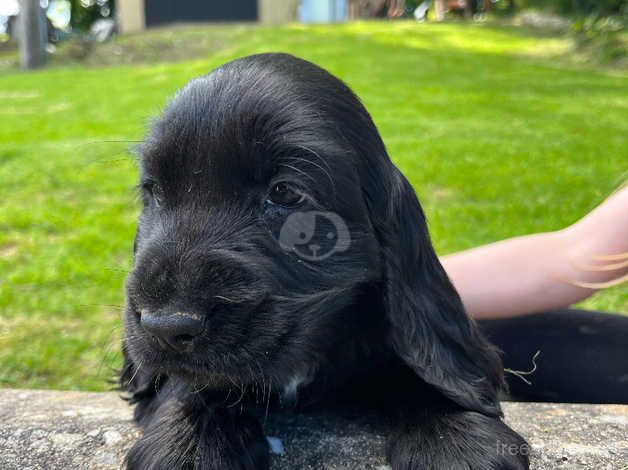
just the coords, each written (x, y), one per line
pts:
(67, 430)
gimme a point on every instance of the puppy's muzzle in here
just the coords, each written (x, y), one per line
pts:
(175, 331)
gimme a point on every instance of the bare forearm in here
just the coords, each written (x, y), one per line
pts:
(542, 271)
(516, 276)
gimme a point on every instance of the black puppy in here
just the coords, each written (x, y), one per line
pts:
(279, 249)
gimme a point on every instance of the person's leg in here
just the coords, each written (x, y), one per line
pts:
(583, 355)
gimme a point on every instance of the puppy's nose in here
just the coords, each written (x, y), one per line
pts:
(175, 330)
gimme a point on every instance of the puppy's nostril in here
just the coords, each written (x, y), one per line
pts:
(174, 330)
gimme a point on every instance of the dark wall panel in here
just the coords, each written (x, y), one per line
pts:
(170, 11)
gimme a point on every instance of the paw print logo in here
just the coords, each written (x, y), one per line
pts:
(314, 235)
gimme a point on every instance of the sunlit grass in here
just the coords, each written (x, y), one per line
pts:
(497, 138)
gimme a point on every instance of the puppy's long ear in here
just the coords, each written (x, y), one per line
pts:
(429, 329)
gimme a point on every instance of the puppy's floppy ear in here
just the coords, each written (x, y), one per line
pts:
(429, 329)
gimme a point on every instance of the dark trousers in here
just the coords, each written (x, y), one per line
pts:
(583, 355)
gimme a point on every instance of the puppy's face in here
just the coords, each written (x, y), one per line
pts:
(254, 239)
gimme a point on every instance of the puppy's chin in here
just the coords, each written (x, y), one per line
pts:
(193, 370)
(201, 378)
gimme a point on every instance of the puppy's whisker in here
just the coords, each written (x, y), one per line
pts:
(268, 401)
(117, 307)
(312, 152)
(207, 384)
(117, 270)
(325, 171)
(226, 299)
(298, 170)
(157, 382)
(228, 395)
(109, 141)
(139, 366)
(239, 400)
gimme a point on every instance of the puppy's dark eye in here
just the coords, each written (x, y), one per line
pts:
(285, 194)
(154, 191)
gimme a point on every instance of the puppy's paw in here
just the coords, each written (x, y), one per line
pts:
(214, 440)
(460, 441)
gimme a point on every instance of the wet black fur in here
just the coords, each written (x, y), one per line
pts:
(379, 323)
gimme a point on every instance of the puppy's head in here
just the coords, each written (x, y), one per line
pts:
(271, 215)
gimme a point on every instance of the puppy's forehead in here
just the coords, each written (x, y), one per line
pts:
(239, 124)
(235, 124)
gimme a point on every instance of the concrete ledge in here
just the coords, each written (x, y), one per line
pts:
(44, 429)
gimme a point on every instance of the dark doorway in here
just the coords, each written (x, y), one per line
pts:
(171, 11)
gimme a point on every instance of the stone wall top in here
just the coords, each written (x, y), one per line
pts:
(48, 429)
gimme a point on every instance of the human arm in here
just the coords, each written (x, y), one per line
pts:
(543, 271)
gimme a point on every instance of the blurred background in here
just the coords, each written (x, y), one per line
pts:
(508, 117)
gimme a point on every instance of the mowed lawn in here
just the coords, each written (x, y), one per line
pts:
(497, 135)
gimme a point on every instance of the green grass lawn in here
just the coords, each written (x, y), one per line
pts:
(498, 136)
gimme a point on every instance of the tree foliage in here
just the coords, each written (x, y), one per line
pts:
(576, 7)
(563, 7)
(85, 12)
